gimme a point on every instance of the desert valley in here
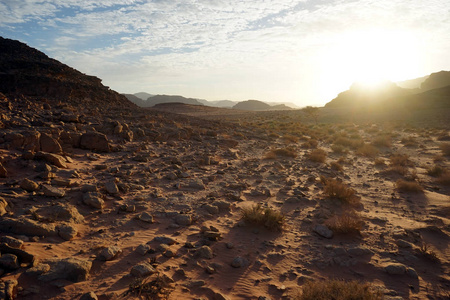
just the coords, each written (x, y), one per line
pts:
(103, 199)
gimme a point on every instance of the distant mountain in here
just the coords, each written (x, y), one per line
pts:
(136, 100)
(288, 104)
(435, 98)
(143, 95)
(436, 80)
(256, 105)
(412, 83)
(360, 96)
(29, 72)
(219, 103)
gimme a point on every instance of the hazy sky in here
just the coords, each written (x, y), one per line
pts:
(300, 51)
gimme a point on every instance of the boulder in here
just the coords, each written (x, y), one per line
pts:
(93, 199)
(9, 262)
(49, 144)
(51, 191)
(109, 253)
(67, 231)
(52, 158)
(142, 270)
(323, 231)
(72, 269)
(27, 227)
(29, 185)
(95, 141)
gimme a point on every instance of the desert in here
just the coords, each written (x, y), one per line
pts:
(103, 199)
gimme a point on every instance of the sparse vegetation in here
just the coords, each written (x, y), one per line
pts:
(336, 166)
(408, 186)
(267, 217)
(398, 159)
(284, 152)
(337, 290)
(379, 162)
(146, 288)
(337, 190)
(427, 252)
(444, 179)
(367, 150)
(445, 148)
(349, 222)
(436, 171)
(318, 155)
(382, 141)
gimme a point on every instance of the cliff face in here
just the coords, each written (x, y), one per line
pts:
(25, 71)
(436, 80)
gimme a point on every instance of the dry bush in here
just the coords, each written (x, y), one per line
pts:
(267, 217)
(438, 158)
(382, 141)
(349, 222)
(317, 155)
(408, 186)
(310, 144)
(379, 162)
(158, 288)
(444, 179)
(445, 148)
(284, 152)
(398, 159)
(336, 166)
(350, 143)
(436, 171)
(367, 150)
(428, 253)
(409, 141)
(337, 290)
(400, 170)
(338, 148)
(337, 190)
(287, 138)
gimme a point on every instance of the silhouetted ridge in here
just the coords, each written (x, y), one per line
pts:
(29, 72)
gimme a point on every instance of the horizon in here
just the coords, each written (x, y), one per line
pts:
(283, 51)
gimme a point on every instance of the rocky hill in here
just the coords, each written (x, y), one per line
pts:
(25, 71)
(256, 105)
(436, 80)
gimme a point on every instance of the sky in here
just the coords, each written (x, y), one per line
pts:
(305, 52)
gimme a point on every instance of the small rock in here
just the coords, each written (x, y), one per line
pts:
(164, 240)
(183, 220)
(109, 253)
(111, 188)
(412, 273)
(204, 252)
(11, 241)
(239, 262)
(51, 191)
(143, 249)
(323, 231)
(359, 251)
(29, 185)
(403, 244)
(89, 296)
(92, 199)
(142, 270)
(67, 231)
(9, 262)
(72, 269)
(38, 269)
(146, 217)
(395, 269)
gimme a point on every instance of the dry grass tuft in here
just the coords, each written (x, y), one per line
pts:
(367, 150)
(379, 162)
(337, 190)
(287, 138)
(336, 166)
(428, 253)
(349, 222)
(158, 288)
(318, 155)
(337, 290)
(436, 171)
(444, 179)
(445, 148)
(267, 217)
(284, 152)
(382, 141)
(408, 186)
(398, 159)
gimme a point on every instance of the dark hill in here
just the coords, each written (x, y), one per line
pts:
(252, 105)
(436, 80)
(25, 71)
(162, 99)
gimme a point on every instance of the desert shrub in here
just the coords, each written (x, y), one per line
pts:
(350, 143)
(409, 141)
(438, 158)
(436, 171)
(349, 222)
(408, 186)
(337, 290)
(379, 162)
(336, 166)
(398, 159)
(267, 217)
(427, 252)
(382, 141)
(310, 144)
(337, 190)
(290, 138)
(444, 179)
(318, 155)
(367, 150)
(338, 148)
(445, 148)
(285, 152)
(159, 287)
(400, 170)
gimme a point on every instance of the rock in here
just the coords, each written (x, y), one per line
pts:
(11, 241)
(204, 252)
(95, 141)
(67, 231)
(72, 269)
(403, 244)
(7, 289)
(88, 188)
(143, 249)
(38, 269)
(3, 206)
(212, 235)
(49, 144)
(212, 209)
(223, 206)
(359, 251)
(89, 296)
(146, 217)
(92, 199)
(219, 296)
(162, 239)
(395, 269)
(239, 262)
(61, 212)
(323, 231)
(109, 253)
(3, 171)
(27, 227)
(29, 185)
(111, 188)
(142, 270)
(183, 220)
(9, 262)
(196, 184)
(412, 273)
(23, 256)
(54, 159)
(51, 191)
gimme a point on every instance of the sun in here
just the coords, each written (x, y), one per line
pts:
(369, 57)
